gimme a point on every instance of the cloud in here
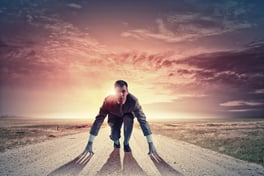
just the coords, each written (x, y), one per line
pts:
(219, 76)
(259, 91)
(29, 18)
(197, 21)
(242, 110)
(3, 44)
(244, 67)
(51, 57)
(241, 103)
(163, 34)
(186, 26)
(74, 58)
(75, 6)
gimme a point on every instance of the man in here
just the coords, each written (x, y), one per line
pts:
(121, 108)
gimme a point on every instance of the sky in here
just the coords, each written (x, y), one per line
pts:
(181, 58)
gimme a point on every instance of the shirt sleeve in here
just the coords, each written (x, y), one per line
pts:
(142, 119)
(99, 119)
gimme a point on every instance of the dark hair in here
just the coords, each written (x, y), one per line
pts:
(120, 83)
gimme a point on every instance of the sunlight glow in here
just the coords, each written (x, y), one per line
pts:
(111, 92)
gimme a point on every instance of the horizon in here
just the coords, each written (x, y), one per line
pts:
(157, 119)
(181, 59)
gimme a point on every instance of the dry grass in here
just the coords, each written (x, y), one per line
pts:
(243, 139)
(18, 132)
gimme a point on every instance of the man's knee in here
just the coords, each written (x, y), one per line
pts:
(114, 122)
(128, 120)
(115, 136)
(115, 132)
(111, 124)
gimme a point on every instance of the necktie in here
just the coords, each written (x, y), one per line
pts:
(121, 109)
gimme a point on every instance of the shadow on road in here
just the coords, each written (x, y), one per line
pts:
(73, 167)
(112, 165)
(130, 166)
(165, 169)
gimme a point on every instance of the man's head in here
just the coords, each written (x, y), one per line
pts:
(121, 89)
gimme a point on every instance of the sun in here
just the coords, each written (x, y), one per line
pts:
(111, 92)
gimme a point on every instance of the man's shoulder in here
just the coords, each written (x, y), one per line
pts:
(132, 98)
(110, 99)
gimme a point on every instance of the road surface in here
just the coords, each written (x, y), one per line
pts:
(59, 156)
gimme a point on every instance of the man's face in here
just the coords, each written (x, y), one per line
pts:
(121, 93)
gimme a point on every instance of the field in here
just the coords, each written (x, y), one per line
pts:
(18, 132)
(242, 139)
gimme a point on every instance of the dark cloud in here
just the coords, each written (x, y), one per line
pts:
(241, 67)
(3, 44)
(236, 67)
(238, 73)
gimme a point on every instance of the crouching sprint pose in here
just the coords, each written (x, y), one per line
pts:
(121, 108)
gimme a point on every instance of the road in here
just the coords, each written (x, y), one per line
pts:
(59, 156)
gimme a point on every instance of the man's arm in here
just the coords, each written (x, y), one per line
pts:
(146, 131)
(99, 119)
(142, 119)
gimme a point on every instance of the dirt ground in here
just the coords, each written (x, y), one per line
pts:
(59, 156)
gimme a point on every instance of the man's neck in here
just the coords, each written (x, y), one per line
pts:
(118, 102)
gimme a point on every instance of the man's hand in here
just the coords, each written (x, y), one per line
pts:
(153, 153)
(88, 149)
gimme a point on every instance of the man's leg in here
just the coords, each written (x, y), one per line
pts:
(115, 123)
(128, 127)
